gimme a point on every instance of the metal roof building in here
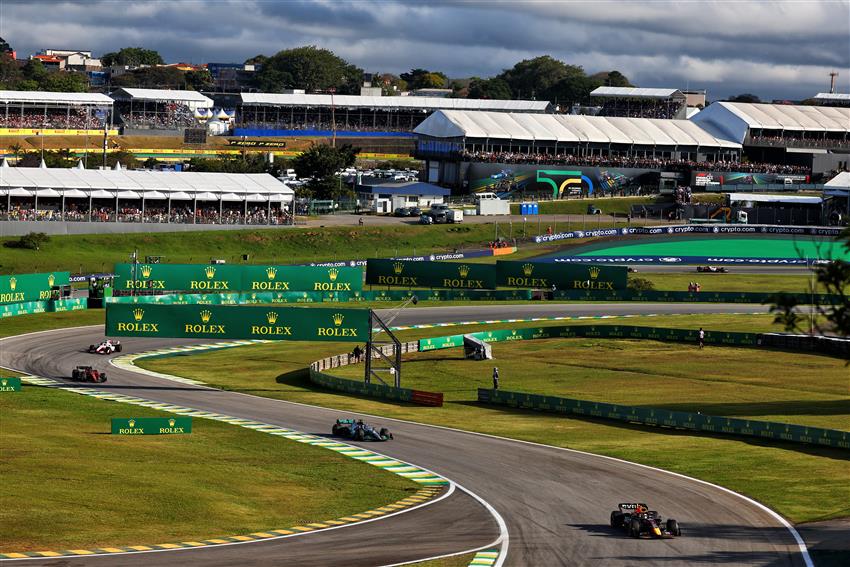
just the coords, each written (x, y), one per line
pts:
(635, 92)
(192, 99)
(423, 103)
(568, 129)
(736, 121)
(133, 184)
(38, 98)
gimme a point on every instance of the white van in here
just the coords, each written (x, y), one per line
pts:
(485, 196)
(454, 216)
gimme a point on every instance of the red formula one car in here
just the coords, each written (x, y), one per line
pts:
(106, 347)
(639, 521)
(88, 374)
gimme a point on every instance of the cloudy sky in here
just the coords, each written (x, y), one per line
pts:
(772, 49)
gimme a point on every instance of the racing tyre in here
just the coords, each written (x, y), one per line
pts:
(359, 436)
(384, 433)
(616, 519)
(335, 430)
(91, 348)
(118, 348)
(634, 528)
(673, 528)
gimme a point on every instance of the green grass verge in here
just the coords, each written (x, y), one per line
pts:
(94, 253)
(20, 324)
(776, 474)
(454, 561)
(77, 486)
(755, 283)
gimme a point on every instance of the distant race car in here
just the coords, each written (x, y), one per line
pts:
(712, 269)
(359, 431)
(638, 520)
(88, 374)
(106, 347)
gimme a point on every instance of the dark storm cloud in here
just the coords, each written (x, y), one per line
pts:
(776, 49)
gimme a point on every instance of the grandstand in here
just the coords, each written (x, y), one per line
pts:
(634, 102)
(158, 109)
(85, 195)
(25, 112)
(833, 99)
(265, 114)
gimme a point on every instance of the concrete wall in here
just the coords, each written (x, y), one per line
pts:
(19, 228)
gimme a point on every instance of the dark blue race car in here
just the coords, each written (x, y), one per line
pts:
(359, 431)
(638, 520)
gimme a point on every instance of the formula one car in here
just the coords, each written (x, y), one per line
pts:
(88, 374)
(638, 520)
(359, 431)
(106, 347)
(712, 269)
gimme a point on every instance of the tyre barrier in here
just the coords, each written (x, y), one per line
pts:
(696, 422)
(49, 306)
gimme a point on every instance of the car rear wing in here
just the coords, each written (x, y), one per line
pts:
(632, 507)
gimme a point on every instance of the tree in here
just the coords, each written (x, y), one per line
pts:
(200, 80)
(320, 163)
(573, 89)
(425, 79)
(745, 97)
(52, 158)
(257, 60)
(132, 56)
(5, 47)
(34, 70)
(496, 89)
(536, 78)
(612, 79)
(152, 77)
(10, 73)
(66, 82)
(309, 68)
(833, 311)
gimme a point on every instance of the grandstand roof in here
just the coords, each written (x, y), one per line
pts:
(733, 120)
(37, 97)
(843, 97)
(418, 102)
(143, 182)
(635, 92)
(163, 95)
(567, 128)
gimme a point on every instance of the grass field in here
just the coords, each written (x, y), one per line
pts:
(757, 384)
(88, 253)
(77, 486)
(772, 473)
(21, 324)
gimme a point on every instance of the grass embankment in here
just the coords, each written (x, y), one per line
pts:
(771, 473)
(77, 486)
(678, 281)
(21, 324)
(88, 253)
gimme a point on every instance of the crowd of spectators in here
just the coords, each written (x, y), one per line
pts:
(352, 122)
(166, 116)
(256, 215)
(667, 164)
(77, 119)
(791, 140)
(640, 108)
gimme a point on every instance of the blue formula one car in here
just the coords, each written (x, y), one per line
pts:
(356, 430)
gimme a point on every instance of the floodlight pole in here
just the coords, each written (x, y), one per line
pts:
(372, 347)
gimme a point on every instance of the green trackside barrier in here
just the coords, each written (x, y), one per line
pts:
(448, 275)
(151, 425)
(232, 322)
(71, 304)
(24, 288)
(665, 418)
(592, 331)
(544, 275)
(26, 308)
(229, 278)
(360, 388)
(10, 384)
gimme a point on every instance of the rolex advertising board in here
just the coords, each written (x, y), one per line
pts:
(237, 322)
(224, 278)
(151, 425)
(542, 275)
(30, 287)
(448, 275)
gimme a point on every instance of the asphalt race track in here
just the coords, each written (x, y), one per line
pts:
(556, 503)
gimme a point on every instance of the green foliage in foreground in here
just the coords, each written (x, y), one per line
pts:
(76, 486)
(775, 474)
